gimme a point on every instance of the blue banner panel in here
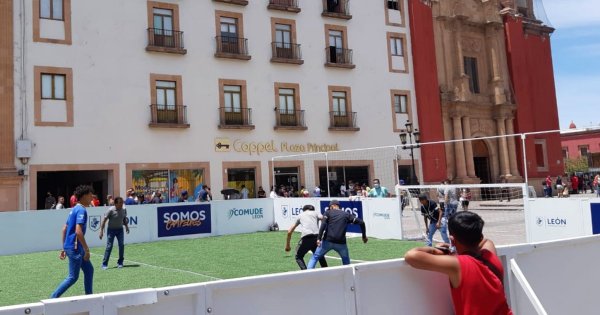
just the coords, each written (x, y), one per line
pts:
(355, 208)
(595, 208)
(183, 220)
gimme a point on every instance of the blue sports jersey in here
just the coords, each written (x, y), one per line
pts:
(78, 215)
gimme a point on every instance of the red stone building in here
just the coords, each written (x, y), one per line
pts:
(484, 68)
(578, 143)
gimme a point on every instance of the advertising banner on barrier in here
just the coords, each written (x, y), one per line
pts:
(243, 216)
(140, 219)
(382, 216)
(287, 210)
(184, 220)
(355, 208)
(595, 213)
(552, 219)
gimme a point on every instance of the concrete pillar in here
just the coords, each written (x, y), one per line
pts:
(459, 149)
(512, 148)
(466, 124)
(502, 148)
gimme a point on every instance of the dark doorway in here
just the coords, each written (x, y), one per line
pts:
(341, 175)
(404, 173)
(287, 176)
(63, 183)
(481, 160)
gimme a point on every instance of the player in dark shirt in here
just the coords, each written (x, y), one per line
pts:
(332, 234)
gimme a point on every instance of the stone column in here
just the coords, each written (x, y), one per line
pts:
(512, 148)
(492, 34)
(459, 149)
(502, 148)
(466, 124)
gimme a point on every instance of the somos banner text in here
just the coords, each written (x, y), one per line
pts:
(184, 220)
(355, 208)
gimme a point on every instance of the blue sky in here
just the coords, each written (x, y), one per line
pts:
(576, 56)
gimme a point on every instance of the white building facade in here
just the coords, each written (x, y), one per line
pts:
(169, 95)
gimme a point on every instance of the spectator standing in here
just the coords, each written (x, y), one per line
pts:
(261, 192)
(475, 273)
(74, 244)
(184, 196)
(548, 187)
(332, 234)
(60, 204)
(574, 184)
(559, 186)
(450, 200)
(317, 192)
(50, 201)
(117, 219)
(130, 201)
(244, 192)
(72, 201)
(465, 198)
(378, 191)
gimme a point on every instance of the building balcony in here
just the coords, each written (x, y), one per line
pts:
(286, 53)
(339, 58)
(342, 121)
(167, 41)
(232, 48)
(168, 116)
(235, 118)
(339, 9)
(284, 5)
(236, 2)
(289, 119)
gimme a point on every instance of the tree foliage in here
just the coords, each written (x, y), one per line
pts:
(576, 165)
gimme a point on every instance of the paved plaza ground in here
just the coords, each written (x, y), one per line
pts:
(504, 221)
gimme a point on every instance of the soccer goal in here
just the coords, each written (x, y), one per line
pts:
(500, 205)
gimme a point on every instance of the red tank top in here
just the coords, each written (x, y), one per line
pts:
(480, 291)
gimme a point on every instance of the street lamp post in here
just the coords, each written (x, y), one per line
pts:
(411, 145)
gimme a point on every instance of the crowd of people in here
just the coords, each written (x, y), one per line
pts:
(568, 184)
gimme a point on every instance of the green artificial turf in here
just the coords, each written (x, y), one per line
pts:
(31, 277)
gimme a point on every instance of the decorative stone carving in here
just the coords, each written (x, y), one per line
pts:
(471, 44)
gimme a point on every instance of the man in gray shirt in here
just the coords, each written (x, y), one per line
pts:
(309, 220)
(451, 200)
(117, 218)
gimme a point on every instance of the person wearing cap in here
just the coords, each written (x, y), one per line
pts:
(432, 212)
(130, 200)
(184, 196)
(332, 234)
(309, 222)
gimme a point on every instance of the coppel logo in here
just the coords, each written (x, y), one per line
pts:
(95, 222)
(254, 213)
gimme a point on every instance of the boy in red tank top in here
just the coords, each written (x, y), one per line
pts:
(474, 271)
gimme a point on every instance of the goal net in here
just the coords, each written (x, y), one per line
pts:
(500, 205)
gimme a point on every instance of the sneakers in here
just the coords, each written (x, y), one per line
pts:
(104, 267)
(119, 266)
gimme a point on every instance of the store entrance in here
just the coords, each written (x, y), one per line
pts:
(341, 175)
(236, 177)
(63, 183)
(287, 177)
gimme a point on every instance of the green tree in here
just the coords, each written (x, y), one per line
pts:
(576, 165)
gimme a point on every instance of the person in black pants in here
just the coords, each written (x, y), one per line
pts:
(309, 219)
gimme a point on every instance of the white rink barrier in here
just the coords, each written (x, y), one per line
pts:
(386, 287)
(560, 218)
(35, 231)
(382, 215)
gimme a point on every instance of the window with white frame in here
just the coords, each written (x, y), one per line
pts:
(51, 9)
(53, 86)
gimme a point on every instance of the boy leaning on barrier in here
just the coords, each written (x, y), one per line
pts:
(475, 272)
